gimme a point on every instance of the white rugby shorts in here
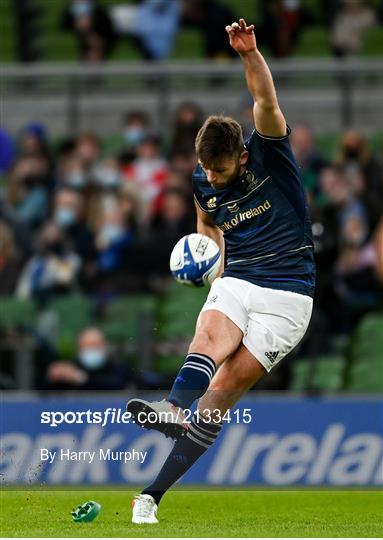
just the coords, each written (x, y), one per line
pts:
(273, 322)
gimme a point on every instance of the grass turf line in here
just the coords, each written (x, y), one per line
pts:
(303, 513)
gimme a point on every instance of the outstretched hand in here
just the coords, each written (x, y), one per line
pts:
(242, 37)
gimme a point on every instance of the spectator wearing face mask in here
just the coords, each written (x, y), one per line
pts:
(102, 192)
(92, 26)
(356, 157)
(135, 127)
(94, 367)
(148, 173)
(113, 242)
(71, 173)
(68, 214)
(107, 174)
(53, 270)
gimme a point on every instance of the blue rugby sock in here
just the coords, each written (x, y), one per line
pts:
(192, 380)
(200, 436)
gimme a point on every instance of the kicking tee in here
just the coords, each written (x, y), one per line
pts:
(264, 218)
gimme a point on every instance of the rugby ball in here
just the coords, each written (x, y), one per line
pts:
(195, 260)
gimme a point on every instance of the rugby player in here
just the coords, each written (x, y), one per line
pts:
(251, 201)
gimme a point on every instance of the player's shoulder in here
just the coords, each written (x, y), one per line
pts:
(259, 138)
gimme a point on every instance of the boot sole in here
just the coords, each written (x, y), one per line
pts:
(137, 406)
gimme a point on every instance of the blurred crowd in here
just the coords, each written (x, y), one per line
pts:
(153, 25)
(74, 220)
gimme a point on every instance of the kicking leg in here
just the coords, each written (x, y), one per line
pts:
(232, 380)
(216, 338)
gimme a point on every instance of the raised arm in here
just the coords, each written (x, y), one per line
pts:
(268, 117)
(205, 225)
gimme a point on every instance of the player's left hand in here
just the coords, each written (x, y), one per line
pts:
(242, 37)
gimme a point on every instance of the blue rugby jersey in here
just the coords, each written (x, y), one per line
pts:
(264, 217)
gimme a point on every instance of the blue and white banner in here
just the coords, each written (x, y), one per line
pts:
(272, 441)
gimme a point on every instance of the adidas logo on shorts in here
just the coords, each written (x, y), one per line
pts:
(272, 356)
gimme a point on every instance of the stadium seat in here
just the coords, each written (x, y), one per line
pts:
(176, 319)
(129, 321)
(366, 356)
(301, 371)
(14, 311)
(329, 373)
(321, 374)
(74, 314)
(179, 309)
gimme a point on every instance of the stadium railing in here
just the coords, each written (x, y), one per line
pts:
(326, 93)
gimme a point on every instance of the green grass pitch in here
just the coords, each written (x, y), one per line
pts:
(251, 513)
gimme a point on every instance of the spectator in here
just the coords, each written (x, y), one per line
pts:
(356, 283)
(26, 191)
(340, 197)
(68, 214)
(94, 367)
(154, 25)
(33, 140)
(135, 128)
(183, 163)
(172, 221)
(11, 260)
(283, 21)
(113, 242)
(188, 120)
(339, 205)
(88, 150)
(103, 190)
(309, 159)
(53, 270)
(107, 174)
(177, 181)
(71, 173)
(210, 17)
(350, 24)
(356, 158)
(92, 26)
(131, 206)
(113, 239)
(148, 173)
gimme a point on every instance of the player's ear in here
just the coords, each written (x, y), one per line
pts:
(244, 157)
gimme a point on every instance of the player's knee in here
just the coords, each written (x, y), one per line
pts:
(204, 342)
(203, 337)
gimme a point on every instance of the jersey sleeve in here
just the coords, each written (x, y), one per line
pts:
(267, 153)
(274, 157)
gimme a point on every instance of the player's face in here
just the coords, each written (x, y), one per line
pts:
(224, 172)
